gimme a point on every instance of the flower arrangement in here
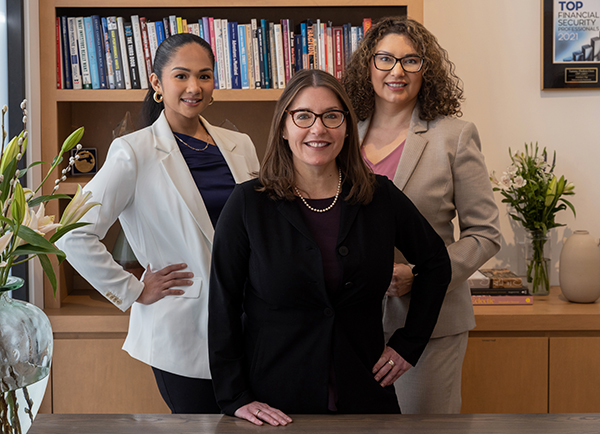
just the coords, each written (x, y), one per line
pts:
(534, 195)
(23, 231)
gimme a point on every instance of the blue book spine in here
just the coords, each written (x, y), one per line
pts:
(234, 55)
(347, 43)
(206, 28)
(91, 48)
(265, 52)
(201, 29)
(100, 53)
(160, 32)
(243, 56)
(298, 52)
(110, 71)
(304, 38)
(66, 58)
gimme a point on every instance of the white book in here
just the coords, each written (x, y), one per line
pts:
(255, 54)
(220, 59)
(279, 55)
(323, 47)
(74, 53)
(273, 71)
(173, 24)
(226, 52)
(152, 39)
(124, 57)
(83, 56)
(139, 51)
(354, 39)
(250, 55)
(194, 28)
(330, 49)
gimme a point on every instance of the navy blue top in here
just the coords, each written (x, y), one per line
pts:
(210, 172)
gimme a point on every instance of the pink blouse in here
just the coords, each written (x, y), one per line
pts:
(387, 166)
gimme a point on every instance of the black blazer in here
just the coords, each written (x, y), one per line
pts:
(273, 330)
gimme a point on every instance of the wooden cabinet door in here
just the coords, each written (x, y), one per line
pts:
(575, 375)
(97, 376)
(505, 375)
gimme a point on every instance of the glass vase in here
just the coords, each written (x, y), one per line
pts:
(538, 262)
(25, 357)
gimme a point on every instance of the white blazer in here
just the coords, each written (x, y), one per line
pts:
(146, 184)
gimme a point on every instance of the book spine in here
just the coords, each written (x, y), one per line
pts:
(322, 47)
(367, 23)
(250, 56)
(226, 52)
(83, 54)
(272, 57)
(347, 47)
(115, 49)
(139, 51)
(310, 43)
(123, 50)
(265, 53)
(146, 47)
(167, 27)
(330, 64)
(130, 50)
(206, 30)
(241, 29)
(234, 55)
(110, 69)
(152, 39)
(261, 49)
(100, 51)
(179, 25)
(220, 54)
(91, 47)
(338, 43)
(256, 54)
(354, 38)
(59, 57)
(64, 28)
(491, 300)
(285, 38)
(194, 28)
(499, 291)
(173, 24)
(278, 37)
(298, 52)
(160, 32)
(213, 45)
(74, 54)
(292, 49)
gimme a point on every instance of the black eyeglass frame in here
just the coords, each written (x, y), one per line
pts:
(398, 60)
(293, 112)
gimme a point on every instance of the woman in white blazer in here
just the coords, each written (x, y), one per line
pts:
(167, 184)
(408, 98)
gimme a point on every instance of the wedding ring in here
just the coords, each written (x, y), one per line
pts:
(257, 411)
(391, 362)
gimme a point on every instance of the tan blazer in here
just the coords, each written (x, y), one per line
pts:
(146, 184)
(442, 170)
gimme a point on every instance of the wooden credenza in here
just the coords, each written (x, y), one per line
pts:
(541, 358)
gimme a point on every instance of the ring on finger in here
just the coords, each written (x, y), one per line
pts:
(391, 363)
(257, 411)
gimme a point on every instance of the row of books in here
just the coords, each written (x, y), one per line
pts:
(498, 286)
(111, 53)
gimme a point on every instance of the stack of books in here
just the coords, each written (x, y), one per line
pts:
(118, 52)
(498, 286)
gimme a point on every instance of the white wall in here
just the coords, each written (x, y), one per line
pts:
(496, 47)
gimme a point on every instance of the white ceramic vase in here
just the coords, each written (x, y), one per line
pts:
(579, 268)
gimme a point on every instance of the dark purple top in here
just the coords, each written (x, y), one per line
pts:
(210, 172)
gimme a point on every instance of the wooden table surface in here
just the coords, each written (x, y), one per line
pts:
(315, 424)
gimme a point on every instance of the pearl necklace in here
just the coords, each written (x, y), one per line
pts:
(337, 194)
(191, 147)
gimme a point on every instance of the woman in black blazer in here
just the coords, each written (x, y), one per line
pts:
(302, 258)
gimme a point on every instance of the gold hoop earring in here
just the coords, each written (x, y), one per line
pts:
(212, 99)
(157, 97)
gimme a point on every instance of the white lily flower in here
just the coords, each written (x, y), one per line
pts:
(4, 241)
(512, 170)
(505, 181)
(519, 182)
(77, 208)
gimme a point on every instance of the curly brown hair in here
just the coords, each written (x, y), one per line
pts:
(441, 92)
(277, 174)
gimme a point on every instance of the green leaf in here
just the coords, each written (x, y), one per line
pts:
(46, 198)
(570, 205)
(8, 174)
(49, 271)
(35, 163)
(6, 221)
(32, 237)
(72, 141)
(63, 230)
(22, 173)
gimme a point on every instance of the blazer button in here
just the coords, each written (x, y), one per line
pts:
(343, 251)
(328, 312)
(349, 285)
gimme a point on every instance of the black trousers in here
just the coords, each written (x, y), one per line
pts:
(186, 395)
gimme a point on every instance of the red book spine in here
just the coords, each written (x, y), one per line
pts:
(59, 79)
(338, 52)
(211, 29)
(146, 42)
(366, 25)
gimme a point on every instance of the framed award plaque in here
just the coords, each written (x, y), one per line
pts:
(86, 164)
(570, 44)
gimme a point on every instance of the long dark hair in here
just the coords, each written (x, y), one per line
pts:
(166, 50)
(277, 174)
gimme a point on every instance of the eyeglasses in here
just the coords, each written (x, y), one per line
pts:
(305, 118)
(387, 62)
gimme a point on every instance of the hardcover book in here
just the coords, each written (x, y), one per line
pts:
(91, 48)
(139, 51)
(86, 76)
(130, 50)
(100, 51)
(234, 55)
(66, 58)
(60, 78)
(123, 51)
(146, 48)
(226, 53)
(110, 69)
(500, 291)
(502, 278)
(495, 300)
(115, 51)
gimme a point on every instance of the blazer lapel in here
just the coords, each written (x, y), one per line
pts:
(177, 171)
(237, 163)
(413, 149)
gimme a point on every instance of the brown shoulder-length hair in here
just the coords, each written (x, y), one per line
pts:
(441, 92)
(277, 174)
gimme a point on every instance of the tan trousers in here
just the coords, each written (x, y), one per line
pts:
(433, 386)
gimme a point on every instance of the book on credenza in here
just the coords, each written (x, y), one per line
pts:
(496, 300)
(500, 291)
(502, 278)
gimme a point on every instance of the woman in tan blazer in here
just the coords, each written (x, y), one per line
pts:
(407, 98)
(167, 184)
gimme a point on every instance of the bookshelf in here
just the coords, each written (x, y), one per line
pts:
(86, 326)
